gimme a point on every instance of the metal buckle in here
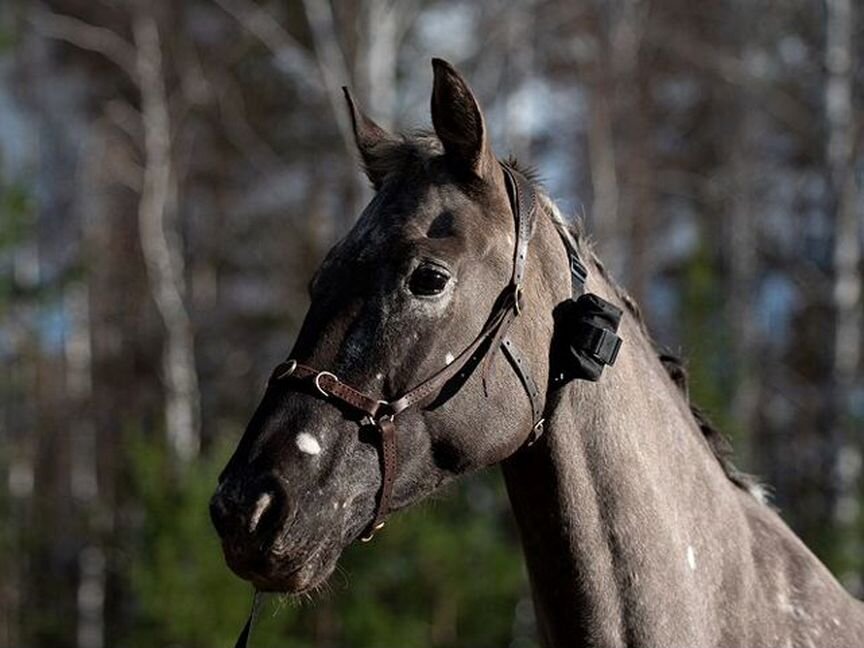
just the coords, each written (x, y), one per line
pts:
(517, 300)
(613, 353)
(578, 270)
(371, 534)
(605, 346)
(368, 420)
(318, 377)
(536, 432)
(291, 367)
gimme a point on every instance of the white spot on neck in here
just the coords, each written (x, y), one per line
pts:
(759, 492)
(379, 376)
(308, 444)
(448, 358)
(691, 557)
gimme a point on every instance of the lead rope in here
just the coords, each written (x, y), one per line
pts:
(243, 639)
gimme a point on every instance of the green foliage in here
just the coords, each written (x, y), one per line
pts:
(706, 345)
(17, 225)
(452, 576)
(183, 591)
(8, 38)
(16, 214)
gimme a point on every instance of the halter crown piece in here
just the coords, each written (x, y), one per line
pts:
(593, 343)
(590, 323)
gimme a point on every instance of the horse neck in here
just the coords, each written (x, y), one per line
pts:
(619, 502)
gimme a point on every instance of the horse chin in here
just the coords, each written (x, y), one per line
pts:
(292, 573)
(306, 578)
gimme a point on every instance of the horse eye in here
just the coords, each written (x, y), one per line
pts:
(427, 281)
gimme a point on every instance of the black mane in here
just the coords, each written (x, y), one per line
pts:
(717, 441)
(418, 146)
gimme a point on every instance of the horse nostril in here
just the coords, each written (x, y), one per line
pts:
(255, 511)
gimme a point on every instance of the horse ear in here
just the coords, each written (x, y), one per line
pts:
(459, 121)
(372, 141)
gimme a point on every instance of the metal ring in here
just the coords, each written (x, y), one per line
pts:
(318, 377)
(371, 420)
(291, 367)
(368, 536)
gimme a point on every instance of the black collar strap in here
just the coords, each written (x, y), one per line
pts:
(591, 327)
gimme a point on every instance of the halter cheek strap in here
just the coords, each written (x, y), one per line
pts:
(380, 414)
(591, 330)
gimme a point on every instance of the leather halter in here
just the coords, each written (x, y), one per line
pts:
(592, 323)
(381, 414)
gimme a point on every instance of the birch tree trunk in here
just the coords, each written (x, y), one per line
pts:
(382, 43)
(603, 164)
(632, 72)
(520, 108)
(846, 261)
(160, 243)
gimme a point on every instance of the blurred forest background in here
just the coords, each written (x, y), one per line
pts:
(172, 172)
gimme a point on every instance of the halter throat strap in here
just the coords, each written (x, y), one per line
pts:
(379, 414)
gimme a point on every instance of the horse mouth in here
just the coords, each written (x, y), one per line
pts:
(275, 570)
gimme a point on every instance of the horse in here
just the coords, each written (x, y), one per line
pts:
(447, 332)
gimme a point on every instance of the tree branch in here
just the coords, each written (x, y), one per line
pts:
(86, 36)
(289, 53)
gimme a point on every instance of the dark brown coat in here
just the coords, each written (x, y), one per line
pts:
(635, 531)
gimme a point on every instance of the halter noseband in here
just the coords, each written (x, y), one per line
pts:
(593, 343)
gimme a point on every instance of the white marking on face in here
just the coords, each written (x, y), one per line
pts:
(260, 506)
(308, 444)
(448, 358)
(691, 557)
(379, 376)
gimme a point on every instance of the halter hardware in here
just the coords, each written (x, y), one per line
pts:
(289, 368)
(367, 537)
(592, 327)
(591, 332)
(318, 377)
